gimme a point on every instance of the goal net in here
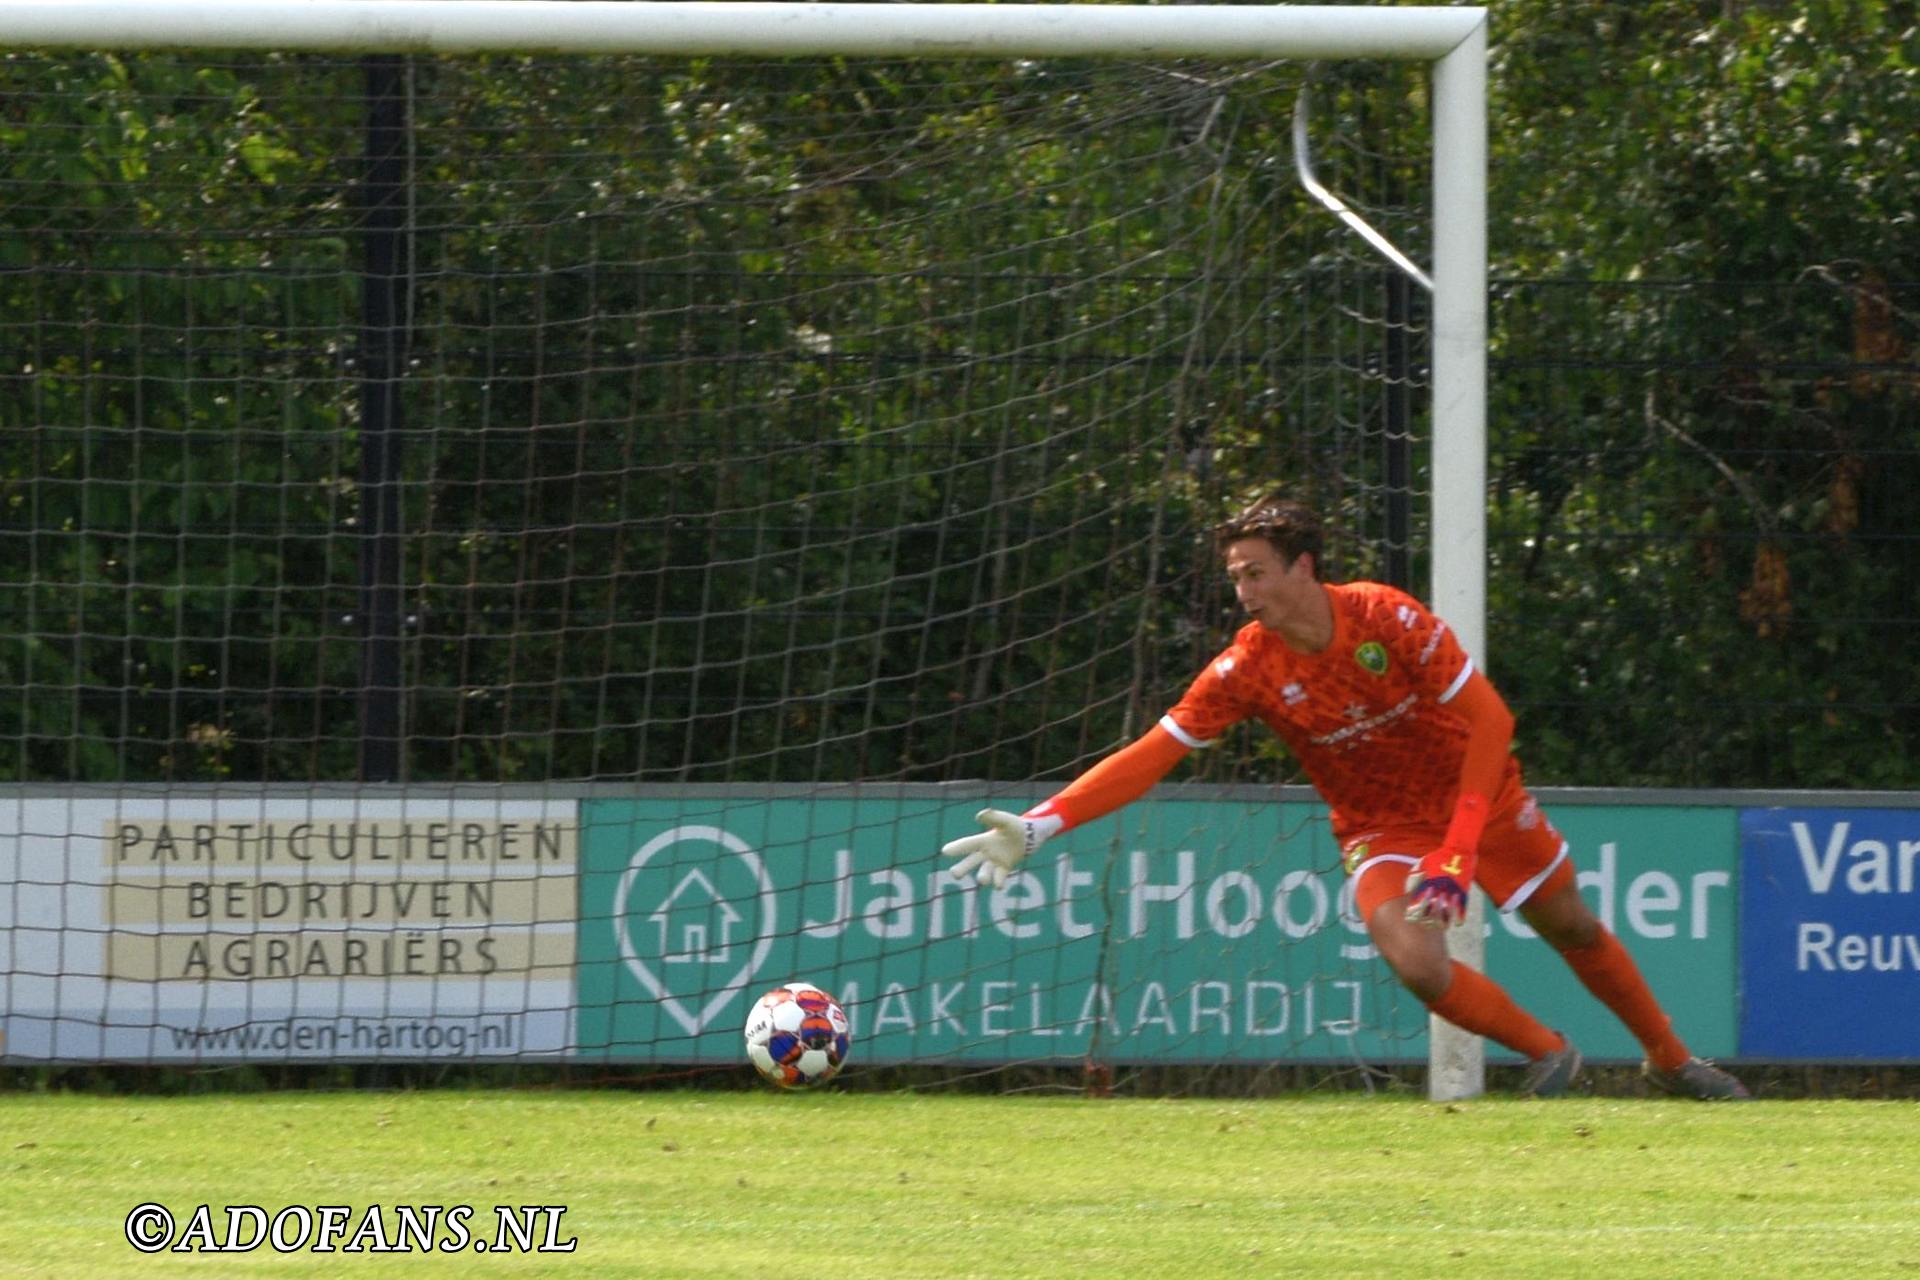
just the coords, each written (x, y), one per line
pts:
(507, 556)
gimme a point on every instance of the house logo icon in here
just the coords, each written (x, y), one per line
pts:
(690, 947)
(695, 925)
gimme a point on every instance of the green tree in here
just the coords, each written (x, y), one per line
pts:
(1707, 463)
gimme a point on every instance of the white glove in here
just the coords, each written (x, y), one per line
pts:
(992, 855)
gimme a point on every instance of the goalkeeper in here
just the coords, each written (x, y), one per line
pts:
(1410, 747)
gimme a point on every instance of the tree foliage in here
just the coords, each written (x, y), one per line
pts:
(1708, 416)
(861, 420)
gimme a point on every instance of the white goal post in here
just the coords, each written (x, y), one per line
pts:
(1453, 40)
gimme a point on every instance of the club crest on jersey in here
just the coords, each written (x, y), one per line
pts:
(1372, 656)
(1356, 853)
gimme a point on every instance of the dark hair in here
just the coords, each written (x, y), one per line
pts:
(1291, 528)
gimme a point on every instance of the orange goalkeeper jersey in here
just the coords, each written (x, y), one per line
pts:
(1367, 716)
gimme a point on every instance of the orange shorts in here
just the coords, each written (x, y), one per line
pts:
(1521, 857)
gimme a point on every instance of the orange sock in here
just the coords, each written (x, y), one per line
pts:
(1610, 973)
(1478, 1004)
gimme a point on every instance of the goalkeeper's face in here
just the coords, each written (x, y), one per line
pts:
(1279, 594)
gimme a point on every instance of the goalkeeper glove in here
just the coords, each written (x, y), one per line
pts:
(1439, 887)
(1440, 884)
(991, 856)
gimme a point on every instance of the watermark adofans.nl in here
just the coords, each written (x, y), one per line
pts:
(333, 1228)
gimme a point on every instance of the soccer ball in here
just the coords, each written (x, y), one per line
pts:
(797, 1036)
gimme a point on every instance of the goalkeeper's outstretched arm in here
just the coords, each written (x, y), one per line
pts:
(1118, 780)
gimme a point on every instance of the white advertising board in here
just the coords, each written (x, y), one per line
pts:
(268, 928)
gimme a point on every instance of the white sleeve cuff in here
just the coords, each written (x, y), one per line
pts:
(1459, 682)
(1193, 743)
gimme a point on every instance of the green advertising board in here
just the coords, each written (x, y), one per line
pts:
(1662, 878)
(1177, 931)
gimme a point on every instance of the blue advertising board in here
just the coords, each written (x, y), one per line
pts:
(1830, 934)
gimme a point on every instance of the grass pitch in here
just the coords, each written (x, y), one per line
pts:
(904, 1187)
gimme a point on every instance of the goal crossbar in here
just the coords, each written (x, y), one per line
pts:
(706, 27)
(1453, 40)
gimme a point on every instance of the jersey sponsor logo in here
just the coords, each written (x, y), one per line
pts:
(1433, 641)
(1355, 854)
(1293, 693)
(1388, 716)
(1372, 657)
(1453, 866)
